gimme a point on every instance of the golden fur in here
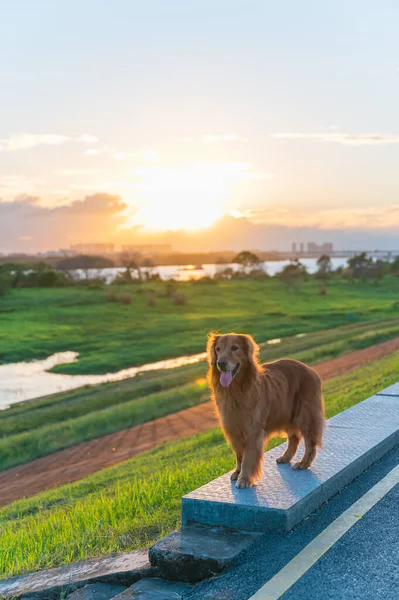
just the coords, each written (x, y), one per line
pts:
(261, 400)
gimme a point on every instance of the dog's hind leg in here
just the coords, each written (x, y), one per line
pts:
(237, 471)
(310, 422)
(251, 467)
(309, 455)
(293, 443)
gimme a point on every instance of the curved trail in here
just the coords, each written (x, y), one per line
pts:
(85, 459)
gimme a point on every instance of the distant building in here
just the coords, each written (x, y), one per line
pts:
(293, 246)
(98, 249)
(325, 248)
(147, 249)
(312, 247)
(301, 247)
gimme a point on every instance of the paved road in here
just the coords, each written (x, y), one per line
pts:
(362, 565)
(84, 459)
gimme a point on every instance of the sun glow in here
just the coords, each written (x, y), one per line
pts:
(191, 196)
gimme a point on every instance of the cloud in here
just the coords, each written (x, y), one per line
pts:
(25, 141)
(92, 152)
(211, 138)
(12, 184)
(27, 225)
(347, 139)
(68, 172)
(144, 155)
(381, 217)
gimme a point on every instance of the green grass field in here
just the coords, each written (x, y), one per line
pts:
(35, 323)
(136, 502)
(36, 428)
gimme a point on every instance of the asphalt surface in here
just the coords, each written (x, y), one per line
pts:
(363, 564)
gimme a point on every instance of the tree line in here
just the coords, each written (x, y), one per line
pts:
(137, 270)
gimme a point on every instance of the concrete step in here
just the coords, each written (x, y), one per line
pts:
(195, 552)
(353, 440)
(154, 589)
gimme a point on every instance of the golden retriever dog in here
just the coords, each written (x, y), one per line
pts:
(255, 401)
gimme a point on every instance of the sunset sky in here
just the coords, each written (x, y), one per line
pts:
(144, 116)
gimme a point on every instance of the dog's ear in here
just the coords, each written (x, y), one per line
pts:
(252, 350)
(210, 348)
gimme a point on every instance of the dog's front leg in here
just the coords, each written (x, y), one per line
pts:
(251, 467)
(237, 471)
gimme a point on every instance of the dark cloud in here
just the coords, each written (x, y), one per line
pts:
(27, 226)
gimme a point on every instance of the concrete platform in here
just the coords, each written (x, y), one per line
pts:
(195, 552)
(353, 440)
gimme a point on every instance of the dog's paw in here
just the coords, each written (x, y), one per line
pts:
(234, 476)
(282, 459)
(243, 482)
(300, 466)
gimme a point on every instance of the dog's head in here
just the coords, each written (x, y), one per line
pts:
(231, 354)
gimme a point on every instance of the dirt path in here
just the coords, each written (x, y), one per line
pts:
(84, 459)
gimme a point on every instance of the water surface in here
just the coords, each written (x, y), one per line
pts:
(27, 380)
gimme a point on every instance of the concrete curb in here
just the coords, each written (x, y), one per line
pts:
(124, 569)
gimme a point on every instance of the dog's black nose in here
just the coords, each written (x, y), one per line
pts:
(222, 364)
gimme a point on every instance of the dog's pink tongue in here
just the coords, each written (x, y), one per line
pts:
(226, 378)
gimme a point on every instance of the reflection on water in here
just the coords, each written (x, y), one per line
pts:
(24, 381)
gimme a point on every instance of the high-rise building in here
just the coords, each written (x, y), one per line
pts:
(93, 248)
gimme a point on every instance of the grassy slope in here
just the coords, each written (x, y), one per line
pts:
(34, 429)
(132, 504)
(35, 323)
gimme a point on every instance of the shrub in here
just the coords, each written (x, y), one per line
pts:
(293, 274)
(125, 298)
(179, 299)
(125, 278)
(258, 274)
(97, 283)
(204, 281)
(112, 296)
(171, 287)
(151, 297)
(226, 273)
(5, 283)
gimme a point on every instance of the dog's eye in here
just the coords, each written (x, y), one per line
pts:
(234, 347)
(217, 349)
